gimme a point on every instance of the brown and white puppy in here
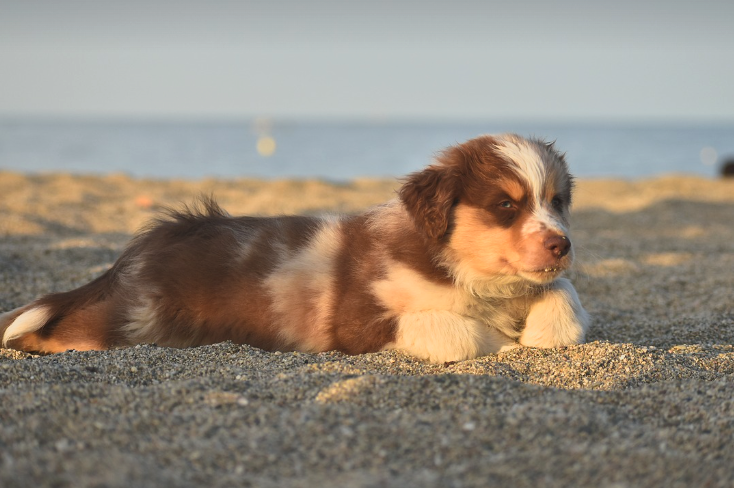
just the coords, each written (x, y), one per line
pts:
(465, 262)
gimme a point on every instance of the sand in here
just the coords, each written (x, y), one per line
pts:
(649, 401)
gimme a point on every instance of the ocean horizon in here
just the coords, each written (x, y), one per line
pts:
(341, 150)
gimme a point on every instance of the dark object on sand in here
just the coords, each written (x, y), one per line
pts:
(727, 168)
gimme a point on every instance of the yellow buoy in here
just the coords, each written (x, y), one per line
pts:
(266, 146)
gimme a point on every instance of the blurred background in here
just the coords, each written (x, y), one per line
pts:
(343, 89)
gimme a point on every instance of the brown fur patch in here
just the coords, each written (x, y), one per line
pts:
(206, 274)
(360, 324)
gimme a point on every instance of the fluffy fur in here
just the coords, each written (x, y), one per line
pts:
(465, 262)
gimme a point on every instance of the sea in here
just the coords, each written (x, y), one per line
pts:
(341, 150)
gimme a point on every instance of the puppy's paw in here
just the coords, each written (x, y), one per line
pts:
(556, 318)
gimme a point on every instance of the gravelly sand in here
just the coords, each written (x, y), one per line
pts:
(648, 402)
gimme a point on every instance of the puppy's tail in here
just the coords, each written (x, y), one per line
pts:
(18, 322)
(77, 319)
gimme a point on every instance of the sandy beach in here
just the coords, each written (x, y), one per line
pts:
(648, 401)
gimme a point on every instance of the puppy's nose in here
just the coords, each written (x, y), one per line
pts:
(558, 245)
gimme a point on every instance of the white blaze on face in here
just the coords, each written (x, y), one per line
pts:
(526, 161)
(530, 165)
(544, 221)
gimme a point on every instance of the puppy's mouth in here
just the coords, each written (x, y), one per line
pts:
(544, 274)
(550, 269)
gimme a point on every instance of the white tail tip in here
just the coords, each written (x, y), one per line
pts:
(26, 322)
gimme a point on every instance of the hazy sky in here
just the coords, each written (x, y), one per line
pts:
(660, 60)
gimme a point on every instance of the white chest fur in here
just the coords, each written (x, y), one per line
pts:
(442, 322)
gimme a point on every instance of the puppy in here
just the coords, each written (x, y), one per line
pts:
(465, 262)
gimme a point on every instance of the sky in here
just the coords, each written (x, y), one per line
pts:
(440, 60)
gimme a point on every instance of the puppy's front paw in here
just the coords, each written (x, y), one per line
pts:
(556, 318)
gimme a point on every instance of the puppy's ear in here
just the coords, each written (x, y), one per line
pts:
(429, 195)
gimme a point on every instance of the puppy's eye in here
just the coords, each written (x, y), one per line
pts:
(506, 204)
(557, 202)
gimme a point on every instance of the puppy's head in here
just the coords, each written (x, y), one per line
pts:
(499, 206)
